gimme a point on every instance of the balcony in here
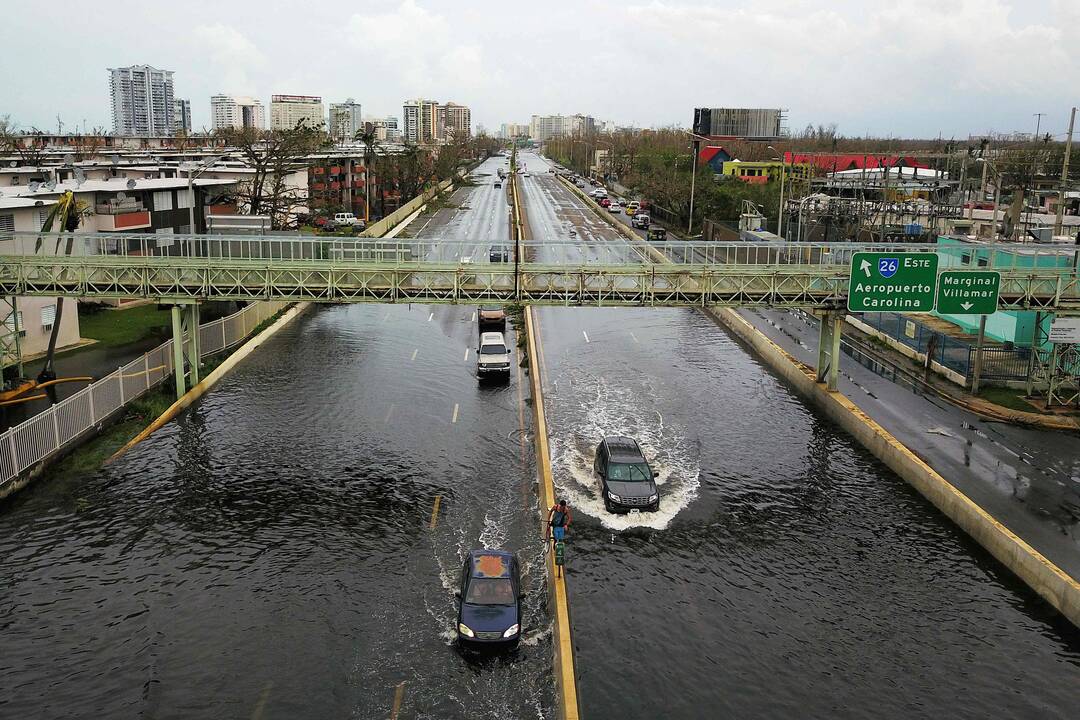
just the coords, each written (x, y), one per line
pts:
(120, 216)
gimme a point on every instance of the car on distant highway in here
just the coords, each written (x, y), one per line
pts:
(604, 202)
(498, 182)
(489, 601)
(614, 207)
(627, 482)
(632, 207)
(641, 220)
(499, 254)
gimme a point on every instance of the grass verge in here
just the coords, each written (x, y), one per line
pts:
(1008, 398)
(112, 328)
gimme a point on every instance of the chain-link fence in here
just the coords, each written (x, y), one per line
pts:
(47, 433)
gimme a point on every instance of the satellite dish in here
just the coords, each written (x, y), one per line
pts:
(80, 176)
(114, 159)
(38, 202)
(51, 185)
(14, 163)
(131, 184)
(121, 196)
(33, 186)
(69, 159)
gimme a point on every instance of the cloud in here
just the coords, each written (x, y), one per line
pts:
(232, 57)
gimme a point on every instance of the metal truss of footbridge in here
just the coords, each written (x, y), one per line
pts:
(192, 268)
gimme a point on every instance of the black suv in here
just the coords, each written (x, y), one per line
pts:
(627, 482)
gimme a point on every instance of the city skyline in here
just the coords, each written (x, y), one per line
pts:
(957, 68)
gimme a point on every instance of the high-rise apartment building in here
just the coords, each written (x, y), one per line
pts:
(287, 110)
(509, 131)
(182, 115)
(233, 111)
(545, 127)
(345, 120)
(739, 122)
(423, 121)
(386, 129)
(456, 120)
(142, 100)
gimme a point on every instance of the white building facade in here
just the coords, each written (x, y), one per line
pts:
(345, 120)
(287, 110)
(142, 101)
(235, 111)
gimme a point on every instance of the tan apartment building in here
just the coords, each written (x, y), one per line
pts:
(287, 110)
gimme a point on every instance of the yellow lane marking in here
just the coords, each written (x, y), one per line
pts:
(435, 513)
(564, 651)
(389, 412)
(260, 706)
(454, 419)
(414, 353)
(399, 695)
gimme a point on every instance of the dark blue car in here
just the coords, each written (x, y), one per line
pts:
(489, 610)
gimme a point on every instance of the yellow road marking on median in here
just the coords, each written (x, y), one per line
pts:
(564, 650)
(454, 419)
(260, 706)
(399, 695)
(435, 513)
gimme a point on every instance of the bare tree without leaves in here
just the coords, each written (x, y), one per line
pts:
(273, 155)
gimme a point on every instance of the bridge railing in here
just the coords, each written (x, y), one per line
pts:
(51, 431)
(555, 250)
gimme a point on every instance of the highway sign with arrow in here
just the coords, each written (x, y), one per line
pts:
(968, 292)
(892, 282)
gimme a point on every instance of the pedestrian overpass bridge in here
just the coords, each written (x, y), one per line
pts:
(192, 268)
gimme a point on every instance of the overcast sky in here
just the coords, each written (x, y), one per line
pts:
(899, 67)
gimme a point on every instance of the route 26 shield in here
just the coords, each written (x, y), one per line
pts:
(887, 267)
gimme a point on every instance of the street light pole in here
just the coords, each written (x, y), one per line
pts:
(693, 178)
(1060, 219)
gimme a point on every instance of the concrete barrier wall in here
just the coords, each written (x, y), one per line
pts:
(1049, 581)
(383, 226)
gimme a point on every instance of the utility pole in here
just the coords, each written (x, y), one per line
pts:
(1059, 221)
(693, 177)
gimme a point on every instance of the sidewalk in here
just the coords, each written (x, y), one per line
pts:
(1025, 478)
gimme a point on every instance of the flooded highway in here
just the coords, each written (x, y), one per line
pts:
(788, 573)
(289, 548)
(271, 553)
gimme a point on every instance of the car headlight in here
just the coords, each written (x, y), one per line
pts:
(465, 630)
(512, 630)
(613, 496)
(654, 497)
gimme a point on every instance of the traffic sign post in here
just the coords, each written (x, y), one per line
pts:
(892, 282)
(972, 292)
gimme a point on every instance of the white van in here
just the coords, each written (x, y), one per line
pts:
(345, 218)
(493, 356)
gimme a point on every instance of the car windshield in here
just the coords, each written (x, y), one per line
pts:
(636, 472)
(492, 350)
(490, 591)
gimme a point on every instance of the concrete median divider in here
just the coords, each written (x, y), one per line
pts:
(558, 600)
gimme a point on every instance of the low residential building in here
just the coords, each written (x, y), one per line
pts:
(763, 172)
(288, 110)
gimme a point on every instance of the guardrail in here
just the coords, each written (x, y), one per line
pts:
(47, 433)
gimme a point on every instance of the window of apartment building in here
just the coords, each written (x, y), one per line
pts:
(40, 216)
(14, 323)
(7, 225)
(48, 317)
(163, 200)
(15, 180)
(183, 199)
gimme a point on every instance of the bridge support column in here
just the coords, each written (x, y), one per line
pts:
(186, 347)
(828, 357)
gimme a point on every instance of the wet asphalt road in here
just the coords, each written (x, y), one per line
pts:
(1027, 479)
(269, 554)
(788, 573)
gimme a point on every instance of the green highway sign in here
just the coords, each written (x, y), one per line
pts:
(892, 282)
(968, 292)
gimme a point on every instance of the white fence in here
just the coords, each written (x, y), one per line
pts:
(46, 433)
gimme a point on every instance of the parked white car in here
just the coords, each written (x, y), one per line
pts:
(342, 219)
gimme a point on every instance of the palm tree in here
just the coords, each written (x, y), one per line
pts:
(368, 137)
(67, 212)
